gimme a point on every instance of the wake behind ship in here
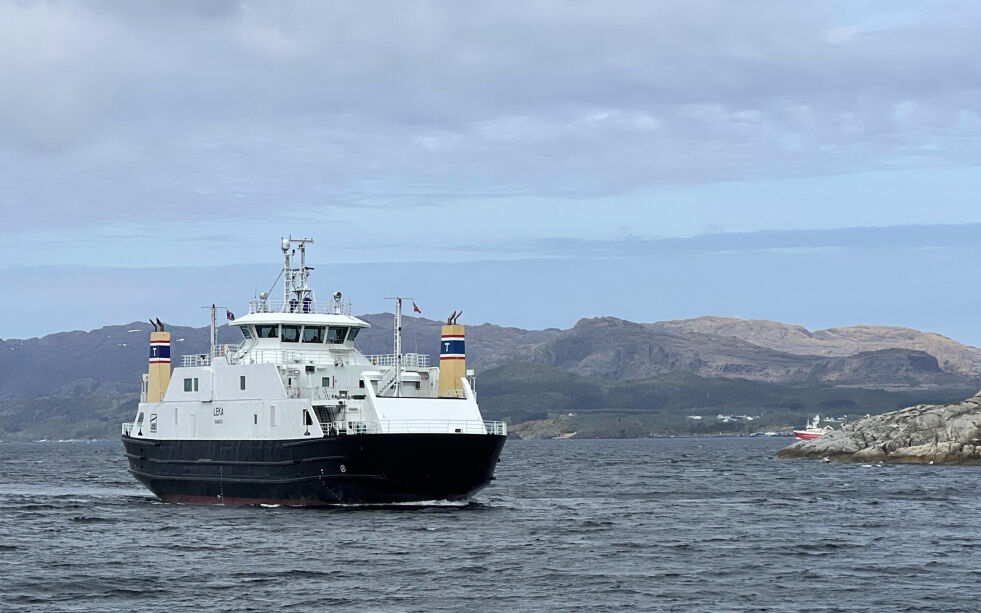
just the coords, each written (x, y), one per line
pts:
(297, 415)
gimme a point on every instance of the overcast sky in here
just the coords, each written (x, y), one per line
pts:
(815, 163)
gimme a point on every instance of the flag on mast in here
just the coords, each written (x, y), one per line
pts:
(415, 308)
(229, 315)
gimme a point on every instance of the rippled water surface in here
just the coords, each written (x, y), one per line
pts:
(657, 524)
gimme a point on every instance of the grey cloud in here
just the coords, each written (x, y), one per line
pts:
(905, 238)
(207, 105)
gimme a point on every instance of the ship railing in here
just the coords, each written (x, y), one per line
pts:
(337, 356)
(195, 359)
(409, 360)
(127, 428)
(232, 353)
(415, 426)
(332, 307)
(325, 394)
(496, 427)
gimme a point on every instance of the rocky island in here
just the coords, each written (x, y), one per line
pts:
(920, 434)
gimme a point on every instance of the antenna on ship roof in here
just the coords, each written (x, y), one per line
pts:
(297, 294)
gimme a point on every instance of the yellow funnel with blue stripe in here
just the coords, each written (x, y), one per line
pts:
(159, 376)
(452, 362)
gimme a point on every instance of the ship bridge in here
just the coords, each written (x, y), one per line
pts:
(309, 331)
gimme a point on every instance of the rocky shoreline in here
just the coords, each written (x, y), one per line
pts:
(920, 434)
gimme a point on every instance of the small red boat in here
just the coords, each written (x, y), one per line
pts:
(813, 430)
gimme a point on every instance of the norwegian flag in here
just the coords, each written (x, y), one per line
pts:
(415, 308)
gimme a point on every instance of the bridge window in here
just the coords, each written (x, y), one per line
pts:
(353, 334)
(313, 334)
(336, 334)
(191, 385)
(267, 331)
(291, 334)
(246, 332)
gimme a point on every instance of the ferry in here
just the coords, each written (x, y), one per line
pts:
(296, 415)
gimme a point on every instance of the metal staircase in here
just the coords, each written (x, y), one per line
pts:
(387, 381)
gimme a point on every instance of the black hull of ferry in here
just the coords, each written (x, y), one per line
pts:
(356, 469)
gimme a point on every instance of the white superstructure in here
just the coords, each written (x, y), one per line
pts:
(297, 373)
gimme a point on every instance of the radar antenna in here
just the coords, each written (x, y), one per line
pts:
(298, 296)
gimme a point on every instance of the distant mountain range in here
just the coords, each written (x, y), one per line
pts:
(111, 359)
(67, 367)
(615, 349)
(952, 356)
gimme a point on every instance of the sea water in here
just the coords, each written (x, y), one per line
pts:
(571, 525)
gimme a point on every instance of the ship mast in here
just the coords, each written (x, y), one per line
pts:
(398, 347)
(213, 332)
(297, 294)
(398, 343)
(287, 272)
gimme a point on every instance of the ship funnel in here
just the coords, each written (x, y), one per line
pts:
(159, 376)
(452, 361)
